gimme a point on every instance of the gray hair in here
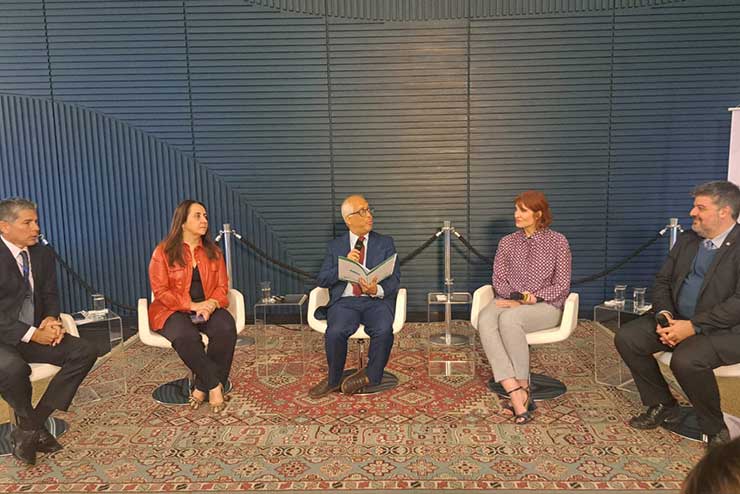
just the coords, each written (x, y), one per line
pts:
(9, 208)
(723, 193)
(346, 207)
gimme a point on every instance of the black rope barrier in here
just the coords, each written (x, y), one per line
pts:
(306, 275)
(619, 264)
(587, 279)
(423, 246)
(79, 279)
(265, 256)
(261, 253)
(475, 251)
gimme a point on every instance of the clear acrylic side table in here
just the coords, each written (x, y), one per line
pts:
(104, 329)
(609, 369)
(277, 352)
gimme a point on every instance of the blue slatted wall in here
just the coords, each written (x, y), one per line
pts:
(272, 111)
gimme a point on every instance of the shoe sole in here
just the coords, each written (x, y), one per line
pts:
(332, 390)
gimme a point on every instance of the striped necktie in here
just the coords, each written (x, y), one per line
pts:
(26, 270)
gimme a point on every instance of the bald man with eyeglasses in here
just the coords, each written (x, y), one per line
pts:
(372, 304)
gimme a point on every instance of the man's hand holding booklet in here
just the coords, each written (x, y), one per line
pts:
(352, 271)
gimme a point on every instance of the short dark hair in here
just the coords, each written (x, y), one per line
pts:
(9, 208)
(723, 193)
(717, 473)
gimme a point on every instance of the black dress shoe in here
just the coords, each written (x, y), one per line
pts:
(322, 389)
(47, 443)
(355, 382)
(655, 416)
(717, 439)
(24, 445)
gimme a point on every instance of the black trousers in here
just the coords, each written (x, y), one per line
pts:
(692, 364)
(75, 357)
(210, 367)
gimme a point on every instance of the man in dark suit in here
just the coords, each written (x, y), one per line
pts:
(372, 304)
(30, 331)
(698, 292)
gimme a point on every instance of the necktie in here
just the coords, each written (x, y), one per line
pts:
(356, 290)
(26, 270)
(27, 310)
(709, 245)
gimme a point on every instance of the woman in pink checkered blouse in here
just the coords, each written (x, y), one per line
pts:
(531, 280)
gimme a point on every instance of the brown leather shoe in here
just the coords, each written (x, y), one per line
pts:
(322, 389)
(355, 382)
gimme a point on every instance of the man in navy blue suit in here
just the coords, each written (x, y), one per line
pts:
(372, 304)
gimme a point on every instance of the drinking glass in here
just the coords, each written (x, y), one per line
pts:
(98, 302)
(619, 293)
(638, 297)
(265, 291)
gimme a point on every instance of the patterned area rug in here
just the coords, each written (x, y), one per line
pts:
(431, 433)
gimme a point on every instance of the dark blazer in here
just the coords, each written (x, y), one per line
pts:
(379, 248)
(718, 307)
(12, 291)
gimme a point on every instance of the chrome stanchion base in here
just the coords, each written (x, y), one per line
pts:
(244, 340)
(55, 426)
(449, 339)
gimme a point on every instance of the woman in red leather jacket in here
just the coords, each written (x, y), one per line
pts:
(188, 277)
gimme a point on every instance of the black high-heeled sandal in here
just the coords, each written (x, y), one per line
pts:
(532, 404)
(529, 406)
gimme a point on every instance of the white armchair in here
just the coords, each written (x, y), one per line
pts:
(55, 426)
(543, 387)
(320, 297)
(177, 392)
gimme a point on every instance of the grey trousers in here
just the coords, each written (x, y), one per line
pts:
(503, 335)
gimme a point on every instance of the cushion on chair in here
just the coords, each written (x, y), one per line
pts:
(319, 297)
(151, 338)
(724, 371)
(484, 296)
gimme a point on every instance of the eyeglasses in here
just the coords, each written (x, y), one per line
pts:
(364, 212)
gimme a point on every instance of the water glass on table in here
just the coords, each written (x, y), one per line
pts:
(265, 292)
(619, 294)
(638, 297)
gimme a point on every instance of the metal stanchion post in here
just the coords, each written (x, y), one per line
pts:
(450, 297)
(227, 232)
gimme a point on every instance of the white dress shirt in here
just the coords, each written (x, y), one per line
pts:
(15, 251)
(348, 292)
